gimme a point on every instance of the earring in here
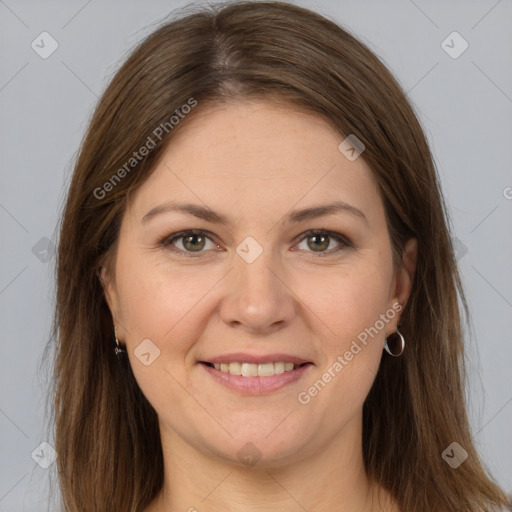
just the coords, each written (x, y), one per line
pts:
(402, 342)
(118, 350)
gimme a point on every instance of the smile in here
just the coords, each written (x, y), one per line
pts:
(255, 370)
(256, 379)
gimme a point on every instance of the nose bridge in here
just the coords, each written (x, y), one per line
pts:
(255, 269)
(257, 295)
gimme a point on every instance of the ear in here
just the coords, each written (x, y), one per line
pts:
(109, 289)
(404, 276)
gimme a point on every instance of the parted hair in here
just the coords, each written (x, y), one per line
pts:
(107, 433)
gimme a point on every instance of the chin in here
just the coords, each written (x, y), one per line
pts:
(259, 449)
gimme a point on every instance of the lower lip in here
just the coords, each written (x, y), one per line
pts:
(257, 385)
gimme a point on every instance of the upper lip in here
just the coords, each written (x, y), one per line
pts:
(254, 359)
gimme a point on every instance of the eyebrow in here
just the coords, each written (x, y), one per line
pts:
(205, 213)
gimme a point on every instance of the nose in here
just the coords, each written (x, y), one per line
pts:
(258, 298)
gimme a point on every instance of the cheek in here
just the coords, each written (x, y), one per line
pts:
(165, 307)
(348, 305)
(346, 301)
(157, 301)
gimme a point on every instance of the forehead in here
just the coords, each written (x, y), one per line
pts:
(255, 157)
(243, 134)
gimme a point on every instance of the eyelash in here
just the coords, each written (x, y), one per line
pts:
(167, 241)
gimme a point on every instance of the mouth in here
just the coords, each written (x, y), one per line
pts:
(255, 378)
(243, 369)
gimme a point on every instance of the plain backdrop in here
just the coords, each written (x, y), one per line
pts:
(463, 101)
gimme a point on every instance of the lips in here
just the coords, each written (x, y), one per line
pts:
(255, 370)
(241, 357)
(246, 365)
(258, 384)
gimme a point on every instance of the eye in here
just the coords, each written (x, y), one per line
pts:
(319, 240)
(191, 241)
(194, 241)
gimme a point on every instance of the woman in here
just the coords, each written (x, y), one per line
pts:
(257, 292)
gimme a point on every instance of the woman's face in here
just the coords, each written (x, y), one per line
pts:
(254, 285)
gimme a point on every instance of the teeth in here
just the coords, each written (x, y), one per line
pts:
(266, 369)
(278, 368)
(249, 370)
(235, 368)
(255, 370)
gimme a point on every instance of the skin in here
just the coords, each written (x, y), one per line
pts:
(254, 162)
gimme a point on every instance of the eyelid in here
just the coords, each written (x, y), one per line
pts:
(345, 242)
(167, 241)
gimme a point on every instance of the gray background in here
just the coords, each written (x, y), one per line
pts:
(464, 103)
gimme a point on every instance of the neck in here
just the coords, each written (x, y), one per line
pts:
(333, 478)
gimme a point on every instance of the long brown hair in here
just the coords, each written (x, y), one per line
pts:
(107, 434)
